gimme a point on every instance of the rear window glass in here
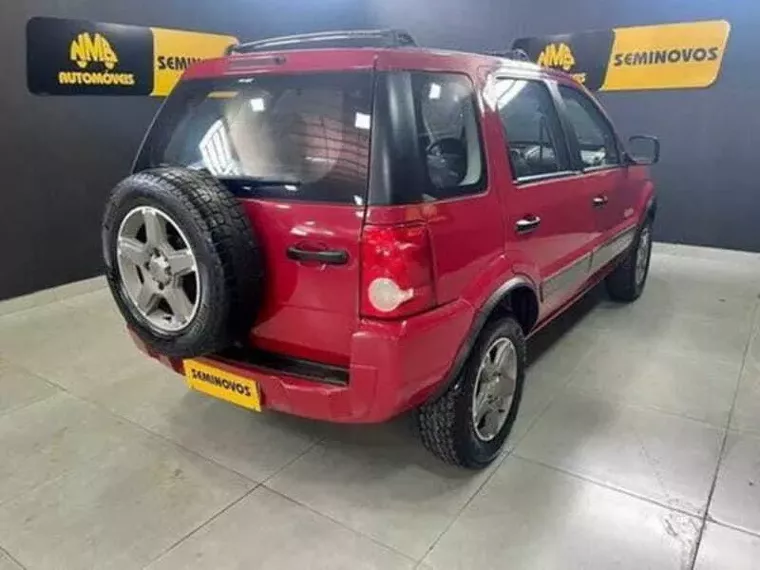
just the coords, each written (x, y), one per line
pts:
(301, 137)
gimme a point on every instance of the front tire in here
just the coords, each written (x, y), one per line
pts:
(469, 423)
(626, 283)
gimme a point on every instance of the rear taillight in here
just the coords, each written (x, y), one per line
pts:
(397, 271)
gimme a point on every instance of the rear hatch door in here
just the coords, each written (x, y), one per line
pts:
(294, 149)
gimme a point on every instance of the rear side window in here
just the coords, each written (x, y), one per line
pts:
(596, 140)
(532, 128)
(448, 133)
(301, 137)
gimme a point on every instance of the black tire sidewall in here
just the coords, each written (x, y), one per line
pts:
(476, 452)
(207, 327)
(621, 283)
(639, 287)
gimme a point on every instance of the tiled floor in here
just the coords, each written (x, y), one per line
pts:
(637, 446)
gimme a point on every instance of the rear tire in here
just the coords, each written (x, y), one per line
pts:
(626, 283)
(449, 426)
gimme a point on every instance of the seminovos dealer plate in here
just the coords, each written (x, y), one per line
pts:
(222, 384)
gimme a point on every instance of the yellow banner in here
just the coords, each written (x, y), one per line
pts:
(175, 50)
(670, 56)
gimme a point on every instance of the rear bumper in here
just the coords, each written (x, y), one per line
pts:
(395, 366)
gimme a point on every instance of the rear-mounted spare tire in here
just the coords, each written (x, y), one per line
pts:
(182, 261)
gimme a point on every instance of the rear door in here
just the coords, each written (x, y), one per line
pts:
(463, 218)
(294, 149)
(548, 219)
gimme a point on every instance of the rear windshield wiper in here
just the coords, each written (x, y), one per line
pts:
(259, 181)
(254, 181)
(247, 182)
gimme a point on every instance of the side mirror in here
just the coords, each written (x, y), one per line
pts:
(643, 149)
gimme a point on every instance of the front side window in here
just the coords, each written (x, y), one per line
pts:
(532, 128)
(300, 137)
(597, 143)
(448, 134)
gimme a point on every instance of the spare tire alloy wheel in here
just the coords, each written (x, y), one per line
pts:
(158, 269)
(182, 261)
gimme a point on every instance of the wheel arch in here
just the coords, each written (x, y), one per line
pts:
(517, 296)
(650, 211)
(519, 299)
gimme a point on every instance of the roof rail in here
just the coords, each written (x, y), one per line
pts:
(349, 38)
(516, 54)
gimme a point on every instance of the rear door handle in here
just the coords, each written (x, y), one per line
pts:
(527, 225)
(600, 201)
(325, 256)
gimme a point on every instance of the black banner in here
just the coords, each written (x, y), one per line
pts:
(584, 56)
(685, 55)
(76, 57)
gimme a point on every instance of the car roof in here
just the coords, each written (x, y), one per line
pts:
(380, 58)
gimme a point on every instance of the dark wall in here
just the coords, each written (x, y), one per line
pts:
(708, 186)
(60, 156)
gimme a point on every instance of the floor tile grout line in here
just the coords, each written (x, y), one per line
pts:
(142, 428)
(539, 415)
(13, 410)
(323, 439)
(698, 541)
(504, 456)
(509, 452)
(341, 524)
(39, 486)
(703, 521)
(52, 301)
(753, 433)
(298, 456)
(557, 392)
(146, 429)
(157, 435)
(609, 487)
(12, 558)
(687, 353)
(733, 527)
(25, 370)
(202, 525)
(600, 394)
(256, 484)
(603, 395)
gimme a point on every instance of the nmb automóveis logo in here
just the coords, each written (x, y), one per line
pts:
(76, 57)
(560, 55)
(557, 55)
(95, 49)
(576, 54)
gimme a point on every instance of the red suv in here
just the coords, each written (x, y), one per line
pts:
(344, 227)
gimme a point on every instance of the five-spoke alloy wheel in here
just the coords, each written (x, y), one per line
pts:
(494, 388)
(158, 268)
(469, 423)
